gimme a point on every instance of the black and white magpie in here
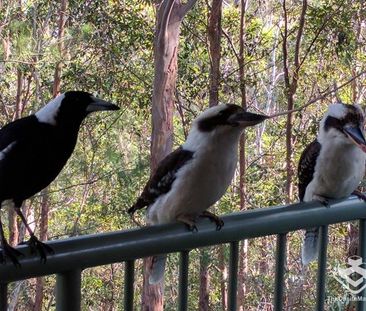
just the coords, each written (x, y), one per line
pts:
(332, 166)
(196, 175)
(34, 149)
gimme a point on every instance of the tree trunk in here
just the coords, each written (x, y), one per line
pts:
(204, 294)
(242, 269)
(13, 223)
(214, 37)
(60, 37)
(224, 273)
(170, 14)
(291, 83)
(43, 236)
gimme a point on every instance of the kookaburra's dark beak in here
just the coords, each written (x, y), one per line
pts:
(100, 105)
(356, 135)
(245, 119)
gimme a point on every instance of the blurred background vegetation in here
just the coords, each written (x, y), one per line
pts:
(106, 48)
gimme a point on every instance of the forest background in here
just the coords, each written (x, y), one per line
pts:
(268, 56)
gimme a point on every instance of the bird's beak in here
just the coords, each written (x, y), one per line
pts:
(244, 119)
(100, 105)
(355, 133)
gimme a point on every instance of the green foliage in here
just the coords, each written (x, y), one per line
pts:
(109, 48)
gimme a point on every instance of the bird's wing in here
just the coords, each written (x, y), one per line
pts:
(7, 139)
(161, 181)
(16, 130)
(307, 166)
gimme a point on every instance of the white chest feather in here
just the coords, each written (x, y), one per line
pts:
(199, 184)
(338, 171)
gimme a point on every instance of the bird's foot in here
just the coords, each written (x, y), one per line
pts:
(217, 220)
(40, 247)
(191, 224)
(11, 253)
(322, 200)
(360, 195)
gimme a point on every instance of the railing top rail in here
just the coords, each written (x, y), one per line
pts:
(105, 248)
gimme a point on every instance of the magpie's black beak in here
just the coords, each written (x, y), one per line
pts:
(355, 133)
(100, 105)
(244, 119)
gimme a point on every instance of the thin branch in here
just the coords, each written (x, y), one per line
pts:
(230, 43)
(317, 34)
(322, 96)
(17, 62)
(299, 36)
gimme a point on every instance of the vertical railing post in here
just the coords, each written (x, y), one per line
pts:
(3, 297)
(129, 286)
(280, 271)
(183, 281)
(68, 291)
(362, 253)
(322, 267)
(233, 275)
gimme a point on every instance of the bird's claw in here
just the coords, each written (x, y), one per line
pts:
(193, 227)
(189, 223)
(11, 253)
(217, 220)
(360, 195)
(322, 200)
(219, 225)
(40, 247)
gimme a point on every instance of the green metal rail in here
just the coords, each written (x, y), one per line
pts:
(75, 254)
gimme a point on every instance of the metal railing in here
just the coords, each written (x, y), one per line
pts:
(75, 254)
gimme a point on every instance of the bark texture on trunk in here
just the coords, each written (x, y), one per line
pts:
(214, 37)
(242, 269)
(170, 14)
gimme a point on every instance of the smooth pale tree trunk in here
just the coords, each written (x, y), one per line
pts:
(170, 14)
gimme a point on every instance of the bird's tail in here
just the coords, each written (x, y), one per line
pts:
(157, 269)
(310, 246)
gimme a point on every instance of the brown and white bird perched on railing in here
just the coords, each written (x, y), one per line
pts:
(197, 174)
(333, 165)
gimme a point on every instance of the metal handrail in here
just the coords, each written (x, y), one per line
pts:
(78, 253)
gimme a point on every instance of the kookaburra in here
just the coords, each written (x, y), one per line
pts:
(197, 174)
(332, 166)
